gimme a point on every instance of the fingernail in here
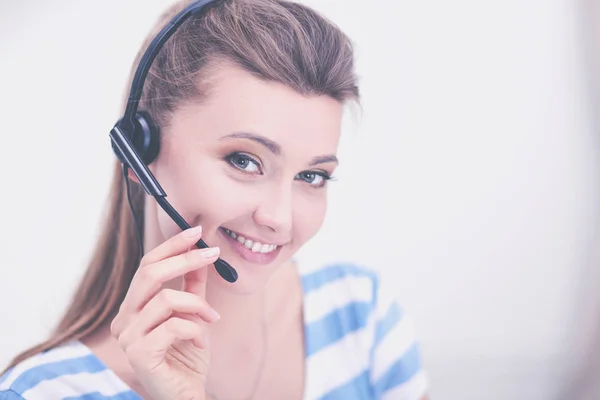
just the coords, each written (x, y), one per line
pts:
(216, 315)
(211, 252)
(193, 232)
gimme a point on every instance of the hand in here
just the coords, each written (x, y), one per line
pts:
(163, 331)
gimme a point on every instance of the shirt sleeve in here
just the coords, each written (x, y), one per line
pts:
(9, 395)
(396, 367)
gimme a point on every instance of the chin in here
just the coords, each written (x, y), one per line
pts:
(248, 282)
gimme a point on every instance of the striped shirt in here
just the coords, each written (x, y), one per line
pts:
(358, 344)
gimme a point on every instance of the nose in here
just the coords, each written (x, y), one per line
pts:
(275, 209)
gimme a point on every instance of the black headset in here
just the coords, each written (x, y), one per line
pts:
(135, 138)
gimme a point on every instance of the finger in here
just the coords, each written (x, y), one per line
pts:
(117, 328)
(195, 282)
(161, 307)
(149, 280)
(173, 246)
(151, 348)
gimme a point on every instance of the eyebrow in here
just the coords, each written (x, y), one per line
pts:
(324, 159)
(276, 148)
(268, 143)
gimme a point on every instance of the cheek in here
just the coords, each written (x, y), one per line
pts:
(209, 197)
(222, 199)
(215, 197)
(309, 215)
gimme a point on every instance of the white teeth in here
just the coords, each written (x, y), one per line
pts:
(255, 247)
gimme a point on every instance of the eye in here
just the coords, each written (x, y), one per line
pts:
(314, 178)
(244, 162)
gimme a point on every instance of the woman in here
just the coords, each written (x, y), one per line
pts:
(249, 98)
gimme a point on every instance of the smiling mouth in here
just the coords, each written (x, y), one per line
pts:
(255, 247)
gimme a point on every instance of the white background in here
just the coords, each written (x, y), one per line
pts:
(471, 179)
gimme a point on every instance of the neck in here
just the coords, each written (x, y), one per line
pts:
(237, 311)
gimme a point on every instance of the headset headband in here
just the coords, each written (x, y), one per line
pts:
(152, 51)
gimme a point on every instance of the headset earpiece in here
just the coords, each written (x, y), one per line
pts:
(145, 138)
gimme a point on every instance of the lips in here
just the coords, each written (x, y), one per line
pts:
(252, 245)
(251, 249)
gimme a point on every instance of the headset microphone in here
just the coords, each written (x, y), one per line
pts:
(135, 139)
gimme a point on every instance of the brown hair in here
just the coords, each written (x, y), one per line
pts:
(276, 41)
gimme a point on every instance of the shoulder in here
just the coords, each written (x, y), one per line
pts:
(68, 371)
(340, 276)
(338, 288)
(352, 315)
(339, 302)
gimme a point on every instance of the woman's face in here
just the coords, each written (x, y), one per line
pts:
(250, 164)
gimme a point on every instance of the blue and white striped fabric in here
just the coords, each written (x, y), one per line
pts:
(70, 372)
(359, 346)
